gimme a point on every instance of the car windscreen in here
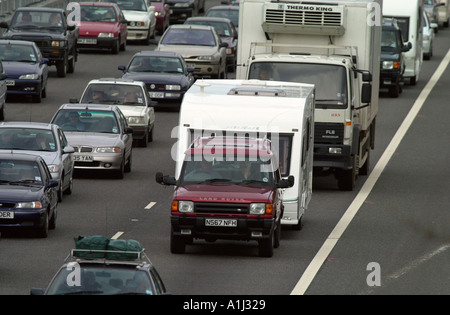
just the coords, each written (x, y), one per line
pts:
(19, 172)
(98, 14)
(187, 36)
(118, 94)
(101, 280)
(221, 28)
(87, 121)
(15, 52)
(390, 43)
(36, 20)
(29, 139)
(155, 64)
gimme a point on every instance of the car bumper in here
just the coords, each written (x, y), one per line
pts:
(205, 69)
(23, 87)
(110, 161)
(23, 218)
(139, 131)
(96, 43)
(388, 78)
(246, 229)
(137, 34)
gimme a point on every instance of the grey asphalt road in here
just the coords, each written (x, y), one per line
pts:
(402, 226)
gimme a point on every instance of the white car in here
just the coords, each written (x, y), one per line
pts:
(428, 36)
(133, 100)
(141, 18)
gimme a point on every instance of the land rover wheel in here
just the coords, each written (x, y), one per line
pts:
(266, 246)
(277, 235)
(177, 244)
(71, 65)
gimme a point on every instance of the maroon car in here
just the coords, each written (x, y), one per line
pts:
(102, 26)
(162, 12)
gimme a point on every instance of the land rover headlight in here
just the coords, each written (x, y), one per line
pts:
(106, 35)
(108, 150)
(257, 208)
(31, 76)
(388, 65)
(185, 206)
(29, 205)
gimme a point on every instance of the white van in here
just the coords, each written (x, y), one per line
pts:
(409, 18)
(443, 13)
(280, 111)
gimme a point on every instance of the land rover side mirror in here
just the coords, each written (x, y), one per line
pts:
(286, 183)
(164, 179)
(366, 93)
(407, 47)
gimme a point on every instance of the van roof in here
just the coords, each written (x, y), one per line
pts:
(230, 145)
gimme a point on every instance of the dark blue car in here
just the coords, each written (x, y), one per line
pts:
(25, 67)
(165, 74)
(28, 195)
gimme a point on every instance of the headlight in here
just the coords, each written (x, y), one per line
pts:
(108, 150)
(107, 35)
(173, 87)
(185, 206)
(31, 76)
(58, 43)
(136, 120)
(261, 208)
(53, 168)
(29, 205)
(206, 58)
(388, 65)
(138, 24)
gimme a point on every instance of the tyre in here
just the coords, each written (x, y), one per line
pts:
(277, 235)
(177, 244)
(61, 68)
(71, 65)
(265, 246)
(394, 90)
(42, 232)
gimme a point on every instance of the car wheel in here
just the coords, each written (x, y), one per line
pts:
(143, 142)
(69, 189)
(129, 163)
(61, 68)
(177, 244)
(277, 235)
(42, 231)
(123, 47)
(115, 49)
(2, 113)
(52, 222)
(37, 98)
(266, 247)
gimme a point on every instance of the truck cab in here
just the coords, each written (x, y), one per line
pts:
(228, 188)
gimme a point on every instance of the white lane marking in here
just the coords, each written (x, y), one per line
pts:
(150, 205)
(117, 235)
(311, 271)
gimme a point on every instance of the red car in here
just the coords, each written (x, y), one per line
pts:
(102, 26)
(162, 12)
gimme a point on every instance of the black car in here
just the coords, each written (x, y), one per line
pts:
(48, 28)
(180, 10)
(28, 194)
(102, 266)
(392, 57)
(27, 70)
(165, 74)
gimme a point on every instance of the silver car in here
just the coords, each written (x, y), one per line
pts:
(100, 135)
(45, 140)
(200, 46)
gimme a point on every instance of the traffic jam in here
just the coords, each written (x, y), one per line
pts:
(311, 75)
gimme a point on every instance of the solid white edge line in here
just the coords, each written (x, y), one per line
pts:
(150, 205)
(311, 271)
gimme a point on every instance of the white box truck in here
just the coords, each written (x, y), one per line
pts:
(409, 16)
(282, 112)
(334, 45)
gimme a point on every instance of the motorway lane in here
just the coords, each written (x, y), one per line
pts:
(219, 268)
(403, 226)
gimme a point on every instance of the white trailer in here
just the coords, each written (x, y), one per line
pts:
(334, 45)
(280, 111)
(409, 16)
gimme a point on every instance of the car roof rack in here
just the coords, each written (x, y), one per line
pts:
(108, 256)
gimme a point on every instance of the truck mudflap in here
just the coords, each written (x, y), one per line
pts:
(237, 229)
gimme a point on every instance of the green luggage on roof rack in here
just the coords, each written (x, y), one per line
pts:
(97, 246)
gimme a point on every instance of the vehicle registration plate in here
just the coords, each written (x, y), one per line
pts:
(156, 94)
(221, 222)
(6, 215)
(10, 82)
(92, 41)
(83, 158)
